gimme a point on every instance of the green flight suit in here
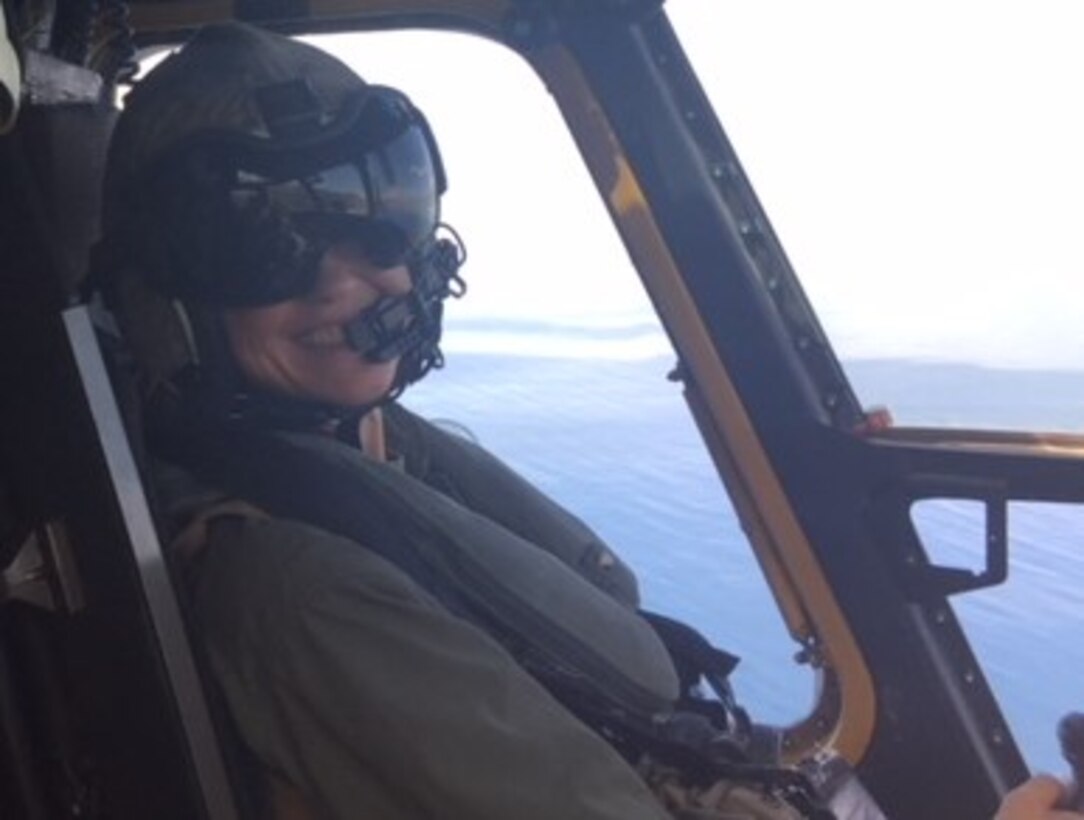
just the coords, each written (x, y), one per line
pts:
(360, 688)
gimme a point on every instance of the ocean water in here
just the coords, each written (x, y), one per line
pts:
(612, 440)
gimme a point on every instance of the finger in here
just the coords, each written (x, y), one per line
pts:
(1039, 794)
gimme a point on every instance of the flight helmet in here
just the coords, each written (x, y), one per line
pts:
(238, 161)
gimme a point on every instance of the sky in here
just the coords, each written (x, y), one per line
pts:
(922, 163)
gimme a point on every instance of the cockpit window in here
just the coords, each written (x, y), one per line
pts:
(922, 168)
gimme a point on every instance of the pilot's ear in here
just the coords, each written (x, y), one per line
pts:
(158, 330)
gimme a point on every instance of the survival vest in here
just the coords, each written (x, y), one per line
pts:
(496, 551)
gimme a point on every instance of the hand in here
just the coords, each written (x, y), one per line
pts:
(1036, 799)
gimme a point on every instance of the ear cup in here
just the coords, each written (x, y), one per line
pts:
(157, 329)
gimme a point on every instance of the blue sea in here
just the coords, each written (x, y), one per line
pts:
(611, 439)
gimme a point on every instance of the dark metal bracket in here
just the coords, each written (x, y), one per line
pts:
(951, 580)
(939, 580)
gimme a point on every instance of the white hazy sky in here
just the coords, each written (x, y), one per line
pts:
(922, 162)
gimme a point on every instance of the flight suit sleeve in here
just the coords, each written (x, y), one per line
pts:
(356, 685)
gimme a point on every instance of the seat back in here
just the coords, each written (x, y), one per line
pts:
(102, 709)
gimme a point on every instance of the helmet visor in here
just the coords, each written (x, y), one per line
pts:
(386, 198)
(254, 215)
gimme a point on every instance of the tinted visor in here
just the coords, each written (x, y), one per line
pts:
(252, 216)
(387, 198)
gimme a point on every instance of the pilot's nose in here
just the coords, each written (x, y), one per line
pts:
(345, 272)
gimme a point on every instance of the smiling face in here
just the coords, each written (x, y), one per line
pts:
(298, 347)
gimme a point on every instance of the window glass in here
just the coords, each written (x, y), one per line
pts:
(555, 358)
(922, 166)
(1025, 633)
